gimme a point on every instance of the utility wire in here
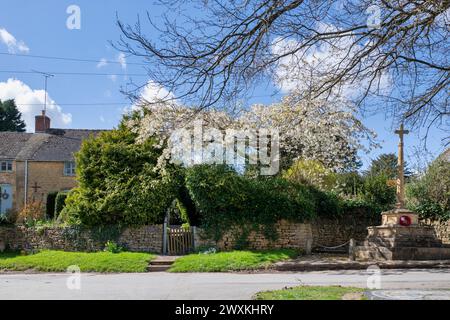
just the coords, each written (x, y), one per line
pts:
(78, 104)
(79, 73)
(68, 59)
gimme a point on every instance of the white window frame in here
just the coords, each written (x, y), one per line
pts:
(8, 165)
(69, 168)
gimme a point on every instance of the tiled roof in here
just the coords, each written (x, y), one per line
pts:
(11, 143)
(54, 145)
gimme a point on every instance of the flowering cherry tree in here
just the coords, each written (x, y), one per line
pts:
(313, 130)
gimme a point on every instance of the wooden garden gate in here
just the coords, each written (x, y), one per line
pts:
(180, 240)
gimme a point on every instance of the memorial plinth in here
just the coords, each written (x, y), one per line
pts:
(394, 241)
(400, 236)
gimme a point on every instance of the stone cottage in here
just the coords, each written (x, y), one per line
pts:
(32, 165)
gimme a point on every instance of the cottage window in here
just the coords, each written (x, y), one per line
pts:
(69, 168)
(6, 166)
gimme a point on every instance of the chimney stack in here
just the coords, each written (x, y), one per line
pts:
(42, 123)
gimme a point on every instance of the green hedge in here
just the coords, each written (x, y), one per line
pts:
(119, 182)
(429, 195)
(60, 202)
(359, 207)
(377, 191)
(225, 199)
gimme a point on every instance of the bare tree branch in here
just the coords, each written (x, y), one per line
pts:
(217, 58)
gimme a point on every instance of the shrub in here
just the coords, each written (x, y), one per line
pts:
(113, 247)
(377, 191)
(311, 172)
(31, 213)
(60, 202)
(220, 196)
(184, 216)
(226, 200)
(349, 184)
(119, 182)
(186, 206)
(431, 210)
(359, 206)
(327, 203)
(429, 195)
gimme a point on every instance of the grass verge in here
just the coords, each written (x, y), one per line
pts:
(312, 293)
(231, 261)
(59, 261)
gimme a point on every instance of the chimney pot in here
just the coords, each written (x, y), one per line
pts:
(42, 123)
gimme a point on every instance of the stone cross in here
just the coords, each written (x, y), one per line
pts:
(400, 164)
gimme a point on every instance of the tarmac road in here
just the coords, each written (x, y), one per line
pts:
(395, 284)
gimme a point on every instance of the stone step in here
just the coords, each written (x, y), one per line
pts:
(401, 253)
(158, 268)
(162, 262)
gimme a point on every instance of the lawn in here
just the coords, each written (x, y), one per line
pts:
(312, 293)
(231, 261)
(58, 261)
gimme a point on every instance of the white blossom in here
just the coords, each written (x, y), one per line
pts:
(313, 130)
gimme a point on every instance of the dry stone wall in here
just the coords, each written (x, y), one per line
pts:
(144, 239)
(290, 236)
(301, 236)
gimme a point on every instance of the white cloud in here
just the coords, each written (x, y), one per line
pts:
(103, 63)
(153, 92)
(122, 60)
(30, 103)
(11, 42)
(294, 71)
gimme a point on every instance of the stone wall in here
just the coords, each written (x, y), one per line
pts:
(321, 232)
(143, 239)
(442, 229)
(290, 235)
(335, 232)
(318, 233)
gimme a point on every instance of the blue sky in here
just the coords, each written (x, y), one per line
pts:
(39, 28)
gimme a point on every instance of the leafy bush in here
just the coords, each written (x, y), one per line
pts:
(430, 194)
(225, 199)
(188, 211)
(112, 247)
(377, 191)
(119, 182)
(31, 213)
(311, 172)
(349, 184)
(60, 202)
(431, 210)
(359, 206)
